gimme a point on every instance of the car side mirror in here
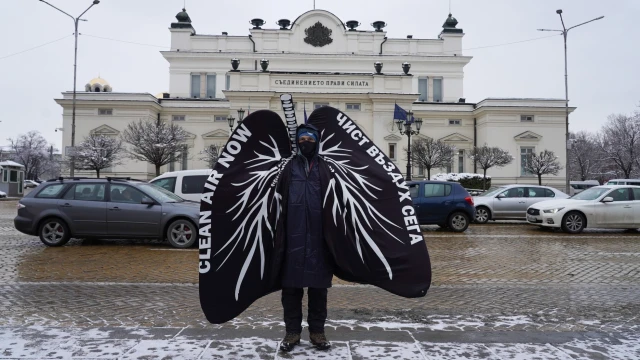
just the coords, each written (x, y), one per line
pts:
(608, 199)
(500, 196)
(147, 201)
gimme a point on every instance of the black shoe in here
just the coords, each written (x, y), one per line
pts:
(289, 342)
(319, 341)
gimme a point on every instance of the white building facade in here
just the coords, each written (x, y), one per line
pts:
(322, 61)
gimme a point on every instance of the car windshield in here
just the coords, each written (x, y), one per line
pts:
(160, 194)
(492, 191)
(590, 194)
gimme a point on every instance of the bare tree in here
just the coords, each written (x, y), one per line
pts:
(155, 142)
(97, 152)
(487, 157)
(431, 154)
(585, 156)
(619, 141)
(33, 151)
(544, 164)
(210, 154)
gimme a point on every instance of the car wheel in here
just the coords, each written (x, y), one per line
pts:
(573, 223)
(458, 222)
(182, 234)
(483, 215)
(54, 232)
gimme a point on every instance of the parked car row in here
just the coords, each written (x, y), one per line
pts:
(168, 207)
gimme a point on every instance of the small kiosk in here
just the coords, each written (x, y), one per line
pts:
(11, 178)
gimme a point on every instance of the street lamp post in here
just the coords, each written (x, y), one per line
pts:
(75, 65)
(405, 128)
(231, 120)
(564, 33)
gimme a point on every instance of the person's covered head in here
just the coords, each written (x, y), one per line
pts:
(308, 137)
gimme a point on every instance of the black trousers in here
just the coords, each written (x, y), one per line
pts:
(292, 305)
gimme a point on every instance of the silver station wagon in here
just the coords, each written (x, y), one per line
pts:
(121, 208)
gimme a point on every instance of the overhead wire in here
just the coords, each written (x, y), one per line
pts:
(167, 47)
(125, 41)
(33, 48)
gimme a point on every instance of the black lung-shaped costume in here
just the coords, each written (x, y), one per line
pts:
(369, 224)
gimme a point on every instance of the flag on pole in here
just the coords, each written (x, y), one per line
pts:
(305, 111)
(399, 113)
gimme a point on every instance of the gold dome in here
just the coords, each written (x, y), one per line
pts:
(98, 80)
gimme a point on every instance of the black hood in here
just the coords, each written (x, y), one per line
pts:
(311, 129)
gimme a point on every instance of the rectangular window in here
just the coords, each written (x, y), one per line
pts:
(461, 161)
(13, 176)
(172, 166)
(184, 157)
(86, 192)
(51, 191)
(449, 168)
(526, 118)
(455, 122)
(211, 86)
(319, 105)
(525, 152)
(414, 190)
(422, 89)
(220, 118)
(168, 183)
(178, 117)
(193, 184)
(227, 86)
(105, 111)
(437, 90)
(436, 190)
(420, 170)
(353, 107)
(195, 85)
(5, 176)
(392, 151)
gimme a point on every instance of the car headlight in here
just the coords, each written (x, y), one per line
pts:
(552, 211)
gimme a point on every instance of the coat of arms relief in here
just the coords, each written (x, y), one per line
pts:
(318, 35)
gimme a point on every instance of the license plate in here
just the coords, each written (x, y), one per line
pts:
(531, 218)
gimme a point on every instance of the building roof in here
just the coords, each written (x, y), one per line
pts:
(11, 163)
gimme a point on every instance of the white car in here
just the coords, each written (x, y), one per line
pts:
(609, 206)
(188, 184)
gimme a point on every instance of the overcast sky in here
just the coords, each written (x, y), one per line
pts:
(603, 55)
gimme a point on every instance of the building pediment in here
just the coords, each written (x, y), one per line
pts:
(457, 137)
(421, 137)
(393, 137)
(105, 130)
(216, 134)
(190, 136)
(528, 136)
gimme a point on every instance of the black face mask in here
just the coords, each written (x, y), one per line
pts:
(307, 148)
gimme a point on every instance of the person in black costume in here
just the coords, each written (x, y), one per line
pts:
(307, 262)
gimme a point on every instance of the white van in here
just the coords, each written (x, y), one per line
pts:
(624, 182)
(579, 186)
(188, 184)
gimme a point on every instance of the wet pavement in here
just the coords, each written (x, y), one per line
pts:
(505, 290)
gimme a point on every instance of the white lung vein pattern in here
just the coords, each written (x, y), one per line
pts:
(257, 201)
(354, 207)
